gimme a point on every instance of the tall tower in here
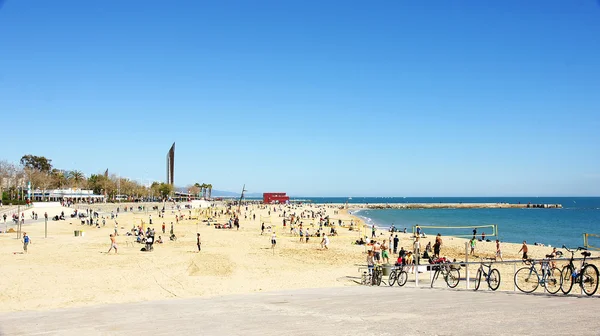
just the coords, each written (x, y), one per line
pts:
(171, 165)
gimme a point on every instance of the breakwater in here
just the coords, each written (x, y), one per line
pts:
(453, 206)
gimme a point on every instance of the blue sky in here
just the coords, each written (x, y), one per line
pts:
(316, 98)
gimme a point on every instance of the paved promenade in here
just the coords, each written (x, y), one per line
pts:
(335, 311)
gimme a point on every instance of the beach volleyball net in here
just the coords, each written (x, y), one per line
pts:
(490, 230)
(591, 241)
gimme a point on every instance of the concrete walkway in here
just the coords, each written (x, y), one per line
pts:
(328, 311)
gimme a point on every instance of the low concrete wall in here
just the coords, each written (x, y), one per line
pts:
(46, 204)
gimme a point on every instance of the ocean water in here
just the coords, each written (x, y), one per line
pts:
(548, 226)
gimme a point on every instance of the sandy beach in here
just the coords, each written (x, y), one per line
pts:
(66, 271)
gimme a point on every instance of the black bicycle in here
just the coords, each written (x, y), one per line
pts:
(492, 276)
(586, 276)
(450, 273)
(398, 275)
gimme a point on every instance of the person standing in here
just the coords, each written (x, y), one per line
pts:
(198, 242)
(437, 246)
(525, 249)
(498, 250)
(396, 241)
(473, 243)
(113, 244)
(417, 250)
(163, 227)
(116, 228)
(325, 242)
(373, 231)
(26, 241)
(262, 229)
(273, 240)
(172, 229)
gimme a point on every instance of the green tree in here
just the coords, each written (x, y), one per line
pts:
(76, 178)
(165, 189)
(38, 163)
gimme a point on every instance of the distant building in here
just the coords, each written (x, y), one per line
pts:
(66, 194)
(275, 198)
(171, 165)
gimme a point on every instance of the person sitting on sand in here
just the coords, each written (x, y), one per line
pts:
(159, 240)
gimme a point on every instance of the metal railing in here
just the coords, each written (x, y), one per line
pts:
(423, 273)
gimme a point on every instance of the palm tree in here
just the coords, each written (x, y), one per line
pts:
(209, 186)
(199, 186)
(76, 177)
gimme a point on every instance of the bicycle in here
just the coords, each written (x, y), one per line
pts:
(492, 276)
(586, 277)
(451, 274)
(374, 278)
(398, 275)
(527, 279)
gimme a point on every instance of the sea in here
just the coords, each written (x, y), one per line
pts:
(555, 227)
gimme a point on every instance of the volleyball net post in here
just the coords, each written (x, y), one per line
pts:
(586, 241)
(430, 230)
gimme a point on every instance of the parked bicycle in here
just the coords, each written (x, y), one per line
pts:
(450, 273)
(374, 278)
(492, 275)
(586, 276)
(398, 275)
(528, 279)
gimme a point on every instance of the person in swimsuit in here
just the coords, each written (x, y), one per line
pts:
(525, 249)
(113, 244)
(498, 250)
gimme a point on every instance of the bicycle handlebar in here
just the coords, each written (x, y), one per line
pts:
(574, 250)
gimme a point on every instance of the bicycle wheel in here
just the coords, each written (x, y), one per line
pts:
(435, 275)
(553, 281)
(589, 279)
(526, 279)
(477, 279)
(453, 277)
(379, 278)
(392, 278)
(363, 279)
(402, 277)
(566, 279)
(494, 279)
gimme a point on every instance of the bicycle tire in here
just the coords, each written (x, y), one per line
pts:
(402, 277)
(435, 275)
(392, 278)
(453, 277)
(590, 279)
(478, 279)
(493, 279)
(566, 279)
(553, 281)
(526, 276)
(379, 278)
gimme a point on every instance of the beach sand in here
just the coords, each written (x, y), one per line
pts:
(67, 271)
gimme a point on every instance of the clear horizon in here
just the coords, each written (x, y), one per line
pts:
(343, 97)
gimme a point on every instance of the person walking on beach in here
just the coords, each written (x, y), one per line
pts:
(113, 244)
(163, 227)
(373, 231)
(498, 250)
(26, 241)
(437, 246)
(273, 240)
(198, 242)
(325, 242)
(473, 242)
(116, 228)
(262, 229)
(525, 249)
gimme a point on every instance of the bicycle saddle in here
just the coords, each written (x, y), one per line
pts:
(586, 254)
(549, 256)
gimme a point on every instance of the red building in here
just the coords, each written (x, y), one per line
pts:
(270, 198)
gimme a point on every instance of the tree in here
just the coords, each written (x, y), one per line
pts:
(209, 187)
(76, 178)
(59, 180)
(194, 190)
(34, 162)
(165, 189)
